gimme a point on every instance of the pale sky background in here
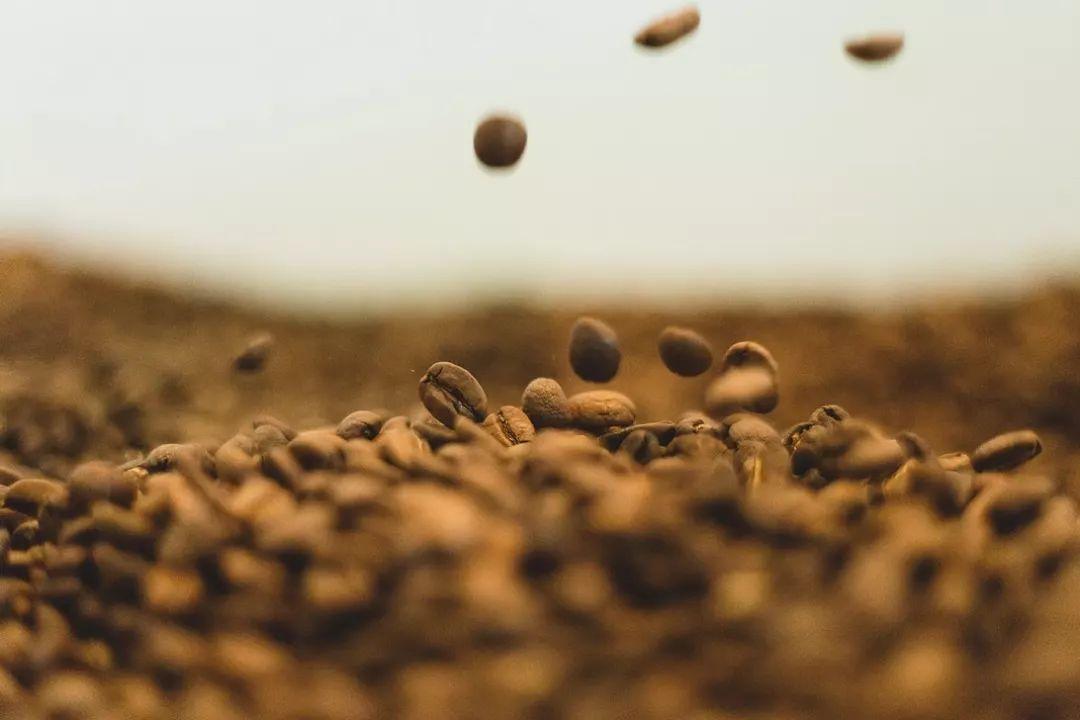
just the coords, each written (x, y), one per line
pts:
(319, 154)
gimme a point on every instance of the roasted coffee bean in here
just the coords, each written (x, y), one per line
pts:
(828, 414)
(914, 446)
(510, 426)
(663, 431)
(169, 457)
(956, 461)
(666, 30)
(236, 459)
(1006, 452)
(747, 381)
(97, 480)
(752, 389)
(318, 449)
(642, 446)
(360, 424)
(594, 350)
(546, 405)
(876, 47)
(499, 141)
(601, 410)
(256, 352)
(448, 391)
(260, 420)
(684, 351)
(34, 495)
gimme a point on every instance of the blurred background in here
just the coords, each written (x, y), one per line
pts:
(318, 156)
(176, 177)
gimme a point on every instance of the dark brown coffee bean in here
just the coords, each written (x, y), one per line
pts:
(360, 424)
(1016, 503)
(684, 351)
(666, 30)
(256, 352)
(601, 410)
(448, 391)
(876, 47)
(546, 405)
(1006, 452)
(594, 350)
(499, 141)
(642, 446)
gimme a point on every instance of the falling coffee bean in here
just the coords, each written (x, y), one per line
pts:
(669, 28)
(256, 352)
(684, 351)
(448, 391)
(499, 141)
(1006, 452)
(876, 47)
(594, 350)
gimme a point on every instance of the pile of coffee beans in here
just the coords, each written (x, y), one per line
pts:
(560, 557)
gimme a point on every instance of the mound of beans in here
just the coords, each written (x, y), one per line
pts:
(555, 557)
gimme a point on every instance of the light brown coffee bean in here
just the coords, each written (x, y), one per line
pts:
(168, 457)
(98, 480)
(252, 358)
(235, 459)
(360, 424)
(34, 495)
(684, 351)
(499, 141)
(510, 426)
(600, 410)
(956, 461)
(172, 591)
(448, 390)
(546, 405)
(317, 449)
(752, 389)
(669, 28)
(1006, 452)
(260, 420)
(876, 47)
(594, 350)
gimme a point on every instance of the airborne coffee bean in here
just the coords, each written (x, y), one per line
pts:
(666, 30)
(255, 354)
(684, 351)
(875, 48)
(499, 141)
(594, 350)
(1006, 452)
(448, 391)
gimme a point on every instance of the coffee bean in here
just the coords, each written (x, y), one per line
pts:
(666, 30)
(316, 449)
(600, 410)
(499, 141)
(97, 480)
(510, 426)
(33, 495)
(172, 591)
(1006, 452)
(663, 431)
(956, 461)
(684, 351)
(448, 391)
(747, 381)
(876, 47)
(360, 424)
(546, 405)
(256, 352)
(260, 420)
(594, 350)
